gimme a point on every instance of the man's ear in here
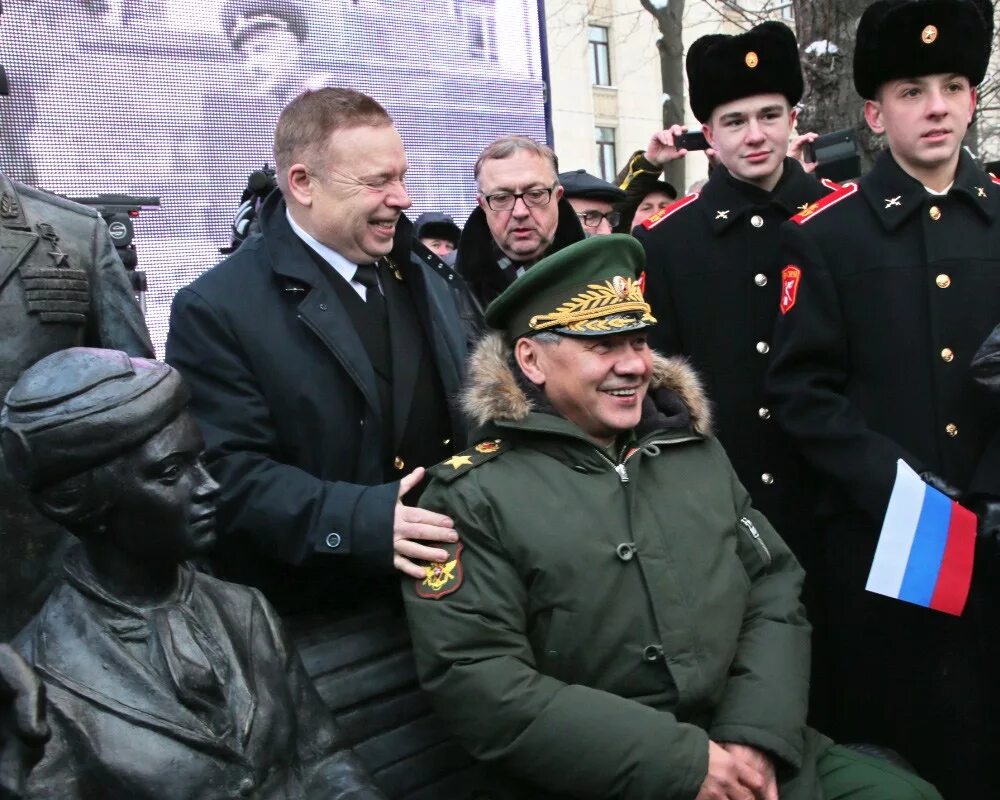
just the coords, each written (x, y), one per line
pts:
(793, 116)
(873, 116)
(482, 202)
(558, 193)
(300, 185)
(706, 129)
(528, 354)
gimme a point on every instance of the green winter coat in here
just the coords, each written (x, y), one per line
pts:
(601, 621)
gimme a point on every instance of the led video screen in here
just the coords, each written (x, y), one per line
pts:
(178, 99)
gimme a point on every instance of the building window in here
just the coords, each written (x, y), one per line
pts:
(600, 62)
(785, 11)
(606, 153)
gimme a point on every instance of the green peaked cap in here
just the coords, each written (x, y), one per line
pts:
(590, 288)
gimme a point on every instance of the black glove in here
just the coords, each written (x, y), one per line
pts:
(939, 483)
(988, 528)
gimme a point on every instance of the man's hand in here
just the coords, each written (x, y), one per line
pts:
(23, 730)
(730, 778)
(759, 761)
(661, 149)
(413, 525)
(797, 146)
(935, 481)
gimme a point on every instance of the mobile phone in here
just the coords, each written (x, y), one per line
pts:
(692, 140)
(836, 155)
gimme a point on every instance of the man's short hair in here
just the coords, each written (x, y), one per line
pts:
(306, 123)
(507, 146)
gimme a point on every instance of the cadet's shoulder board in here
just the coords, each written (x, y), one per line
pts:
(833, 186)
(824, 203)
(444, 578)
(994, 178)
(663, 213)
(459, 464)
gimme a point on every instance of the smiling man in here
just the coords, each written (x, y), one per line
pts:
(888, 289)
(320, 360)
(522, 215)
(617, 621)
(712, 277)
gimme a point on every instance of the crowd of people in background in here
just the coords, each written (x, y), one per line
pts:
(632, 456)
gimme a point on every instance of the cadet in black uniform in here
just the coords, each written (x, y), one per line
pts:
(888, 289)
(712, 275)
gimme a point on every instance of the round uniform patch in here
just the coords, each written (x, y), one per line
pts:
(929, 34)
(488, 447)
(752, 59)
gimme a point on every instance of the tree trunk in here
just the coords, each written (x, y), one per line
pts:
(826, 31)
(669, 18)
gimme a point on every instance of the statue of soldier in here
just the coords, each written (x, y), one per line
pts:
(61, 285)
(159, 681)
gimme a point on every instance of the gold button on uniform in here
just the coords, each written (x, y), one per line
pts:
(398, 463)
(757, 221)
(951, 429)
(935, 213)
(767, 479)
(760, 279)
(943, 281)
(947, 355)
(763, 348)
(764, 413)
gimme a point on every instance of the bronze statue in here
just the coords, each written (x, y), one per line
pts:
(61, 285)
(160, 681)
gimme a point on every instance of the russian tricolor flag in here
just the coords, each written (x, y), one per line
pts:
(926, 548)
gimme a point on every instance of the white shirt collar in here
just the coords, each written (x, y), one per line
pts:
(342, 266)
(942, 193)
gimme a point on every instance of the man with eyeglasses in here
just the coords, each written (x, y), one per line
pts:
(712, 277)
(522, 216)
(593, 201)
(320, 359)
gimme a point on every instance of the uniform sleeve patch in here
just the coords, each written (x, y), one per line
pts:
(790, 277)
(441, 580)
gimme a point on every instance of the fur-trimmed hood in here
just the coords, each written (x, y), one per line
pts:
(494, 393)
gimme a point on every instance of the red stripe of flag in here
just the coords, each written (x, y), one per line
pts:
(955, 576)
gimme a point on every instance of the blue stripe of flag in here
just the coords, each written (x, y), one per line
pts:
(927, 551)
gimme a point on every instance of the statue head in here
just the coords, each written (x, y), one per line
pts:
(106, 447)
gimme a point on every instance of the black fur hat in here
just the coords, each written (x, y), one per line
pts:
(722, 68)
(911, 38)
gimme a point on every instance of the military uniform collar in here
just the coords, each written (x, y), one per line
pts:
(11, 208)
(895, 195)
(726, 199)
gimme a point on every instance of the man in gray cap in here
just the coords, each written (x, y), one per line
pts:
(593, 200)
(160, 681)
(438, 233)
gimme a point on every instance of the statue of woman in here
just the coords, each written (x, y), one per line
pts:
(159, 681)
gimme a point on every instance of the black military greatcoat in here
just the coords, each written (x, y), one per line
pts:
(712, 279)
(896, 289)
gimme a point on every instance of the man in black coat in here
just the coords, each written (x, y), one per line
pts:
(712, 276)
(522, 216)
(322, 363)
(888, 289)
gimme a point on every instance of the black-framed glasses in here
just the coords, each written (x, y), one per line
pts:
(504, 201)
(592, 219)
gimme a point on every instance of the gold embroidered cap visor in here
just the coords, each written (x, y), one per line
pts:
(591, 288)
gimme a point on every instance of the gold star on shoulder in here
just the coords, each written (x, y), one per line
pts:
(457, 462)
(891, 202)
(724, 214)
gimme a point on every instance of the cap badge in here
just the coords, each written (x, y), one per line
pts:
(929, 34)
(752, 60)
(620, 286)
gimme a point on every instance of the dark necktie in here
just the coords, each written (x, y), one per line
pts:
(367, 276)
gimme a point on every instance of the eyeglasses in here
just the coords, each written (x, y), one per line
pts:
(504, 201)
(592, 219)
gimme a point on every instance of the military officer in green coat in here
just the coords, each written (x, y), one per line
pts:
(617, 620)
